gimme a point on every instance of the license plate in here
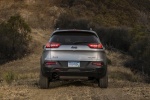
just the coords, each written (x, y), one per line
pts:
(73, 64)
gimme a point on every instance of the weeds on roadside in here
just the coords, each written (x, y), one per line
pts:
(0, 95)
(126, 75)
(9, 77)
(109, 61)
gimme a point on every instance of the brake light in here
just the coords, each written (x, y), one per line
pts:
(50, 63)
(95, 45)
(98, 63)
(52, 45)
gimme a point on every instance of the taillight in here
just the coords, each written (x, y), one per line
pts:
(98, 63)
(95, 45)
(52, 45)
(50, 63)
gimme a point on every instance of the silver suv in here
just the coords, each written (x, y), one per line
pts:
(73, 54)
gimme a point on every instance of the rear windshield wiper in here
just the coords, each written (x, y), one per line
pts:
(80, 42)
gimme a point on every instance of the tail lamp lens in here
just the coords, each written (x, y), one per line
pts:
(50, 63)
(95, 45)
(98, 63)
(52, 45)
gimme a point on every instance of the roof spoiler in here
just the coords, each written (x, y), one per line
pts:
(74, 29)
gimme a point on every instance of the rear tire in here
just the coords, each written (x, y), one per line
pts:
(43, 82)
(103, 82)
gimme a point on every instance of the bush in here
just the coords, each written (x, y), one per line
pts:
(140, 49)
(64, 3)
(15, 38)
(67, 21)
(114, 37)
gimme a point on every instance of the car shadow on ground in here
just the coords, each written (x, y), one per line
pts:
(33, 83)
(71, 83)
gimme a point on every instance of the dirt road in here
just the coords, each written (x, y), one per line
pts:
(117, 90)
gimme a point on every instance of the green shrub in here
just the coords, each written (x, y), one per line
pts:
(9, 77)
(115, 38)
(64, 3)
(140, 49)
(15, 38)
(67, 21)
(140, 4)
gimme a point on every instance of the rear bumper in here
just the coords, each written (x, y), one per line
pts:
(83, 72)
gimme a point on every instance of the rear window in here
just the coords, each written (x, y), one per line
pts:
(74, 38)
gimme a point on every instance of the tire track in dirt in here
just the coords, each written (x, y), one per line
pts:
(88, 91)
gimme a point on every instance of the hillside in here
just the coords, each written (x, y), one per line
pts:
(42, 17)
(108, 13)
(38, 14)
(43, 14)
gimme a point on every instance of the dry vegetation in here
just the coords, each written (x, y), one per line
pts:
(123, 84)
(38, 14)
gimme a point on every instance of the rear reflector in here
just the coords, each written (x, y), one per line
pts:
(50, 63)
(95, 45)
(52, 45)
(98, 63)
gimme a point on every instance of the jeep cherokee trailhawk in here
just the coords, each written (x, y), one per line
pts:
(73, 54)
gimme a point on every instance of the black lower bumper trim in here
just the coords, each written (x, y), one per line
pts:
(97, 73)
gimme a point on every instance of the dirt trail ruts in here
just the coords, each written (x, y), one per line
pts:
(76, 90)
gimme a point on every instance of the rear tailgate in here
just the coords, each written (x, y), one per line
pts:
(74, 53)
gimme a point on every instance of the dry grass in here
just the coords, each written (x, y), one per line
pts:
(25, 86)
(38, 14)
(123, 84)
(117, 58)
(118, 71)
(125, 74)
